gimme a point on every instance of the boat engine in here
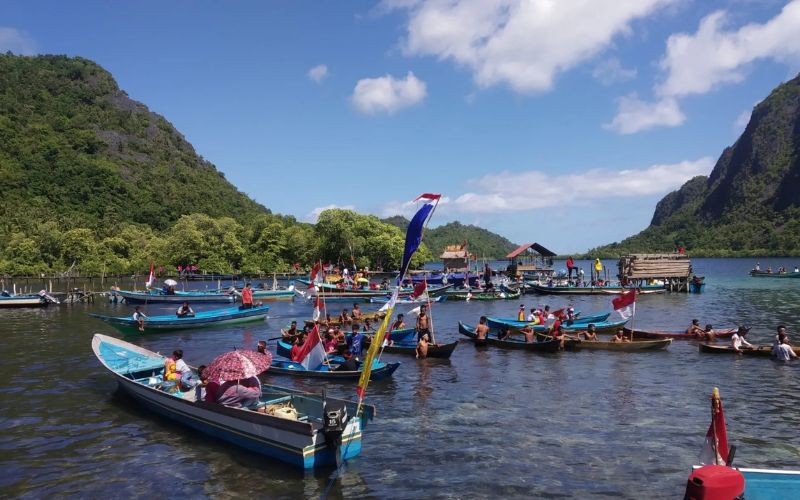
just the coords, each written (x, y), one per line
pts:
(715, 482)
(335, 415)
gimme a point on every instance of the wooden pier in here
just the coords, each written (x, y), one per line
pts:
(674, 269)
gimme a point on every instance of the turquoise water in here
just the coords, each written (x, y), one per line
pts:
(486, 423)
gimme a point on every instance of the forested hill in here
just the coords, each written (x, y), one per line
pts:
(482, 242)
(73, 143)
(94, 183)
(749, 205)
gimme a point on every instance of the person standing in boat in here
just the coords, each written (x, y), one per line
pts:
(738, 341)
(423, 325)
(570, 267)
(247, 297)
(355, 342)
(185, 310)
(521, 313)
(139, 316)
(598, 269)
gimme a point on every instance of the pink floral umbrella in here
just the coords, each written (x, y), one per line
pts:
(236, 365)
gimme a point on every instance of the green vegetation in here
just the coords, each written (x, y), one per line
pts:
(748, 206)
(483, 243)
(94, 182)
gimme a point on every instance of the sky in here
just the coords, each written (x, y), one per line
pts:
(558, 122)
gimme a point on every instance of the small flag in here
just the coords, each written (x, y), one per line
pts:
(428, 196)
(315, 271)
(625, 304)
(152, 278)
(312, 353)
(317, 308)
(715, 447)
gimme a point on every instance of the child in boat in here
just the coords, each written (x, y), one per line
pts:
(422, 347)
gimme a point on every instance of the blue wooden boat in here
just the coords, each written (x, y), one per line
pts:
(439, 351)
(203, 319)
(380, 370)
(510, 343)
(27, 300)
(499, 323)
(311, 440)
(158, 297)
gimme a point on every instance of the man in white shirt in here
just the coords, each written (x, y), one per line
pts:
(738, 339)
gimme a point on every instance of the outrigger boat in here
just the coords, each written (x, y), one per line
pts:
(170, 322)
(675, 335)
(481, 295)
(159, 296)
(335, 320)
(594, 290)
(499, 323)
(510, 343)
(767, 274)
(325, 431)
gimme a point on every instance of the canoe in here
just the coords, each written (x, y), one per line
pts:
(512, 343)
(762, 350)
(441, 351)
(170, 322)
(403, 334)
(494, 295)
(765, 274)
(154, 297)
(306, 442)
(28, 300)
(372, 316)
(679, 335)
(273, 295)
(635, 346)
(380, 370)
(590, 290)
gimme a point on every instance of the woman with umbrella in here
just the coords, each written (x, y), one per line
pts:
(237, 372)
(170, 288)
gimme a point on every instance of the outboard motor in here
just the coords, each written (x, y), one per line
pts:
(335, 415)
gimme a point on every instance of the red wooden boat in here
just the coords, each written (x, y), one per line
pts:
(656, 334)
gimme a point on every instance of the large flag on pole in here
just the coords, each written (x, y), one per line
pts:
(374, 347)
(715, 448)
(152, 278)
(625, 304)
(414, 233)
(312, 354)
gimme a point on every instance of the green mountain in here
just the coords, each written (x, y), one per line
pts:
(94, 183)
(749, 205)
(482, 242)
(73, 143)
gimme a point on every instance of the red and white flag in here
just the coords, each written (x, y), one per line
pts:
(715, 447)
(625, 304)
(317, 309)
(316, 271)
(152, 278)
(312, 354)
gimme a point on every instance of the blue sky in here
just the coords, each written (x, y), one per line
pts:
(557, 122)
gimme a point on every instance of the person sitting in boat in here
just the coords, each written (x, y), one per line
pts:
(355, 342)
(423, 325)
(708, 334)
(769, 269)
(695, 330)
(139, 316)
(174, 366)
(505, 333)
(384, 284)
(558, 334)
(796, 269)
(356, 314)
(294, 354)
(570, 314)
(533, 317)
(530, 334)
(422, 347)
(783, 351)
(291, 332)
(345, 318)
(240, 393)
(349, 365)
(738, 341)
(330, 343)
(185, 310)
(368, 326)
(521, 313)
(262, 347)
(620, 336)
(398, 324)
(590, 334)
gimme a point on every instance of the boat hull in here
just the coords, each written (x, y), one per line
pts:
(155, 324)
(654, 334)
(290, 368)
(765, 274)
(440, 351)
(764, 351)
(635, 346)
(178, 298)
(591, 290)
(22, 301)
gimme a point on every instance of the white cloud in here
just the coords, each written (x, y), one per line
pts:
(318, 73)
(16, 41)
(524, 191)
(313, 215)
(522, 43)
(742, 120)
(388, 94)
(698, 63)
(635, 115)
(611, 71)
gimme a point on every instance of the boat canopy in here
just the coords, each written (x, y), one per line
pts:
(534, 246)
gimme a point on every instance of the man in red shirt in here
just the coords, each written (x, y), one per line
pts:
(247, 297)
